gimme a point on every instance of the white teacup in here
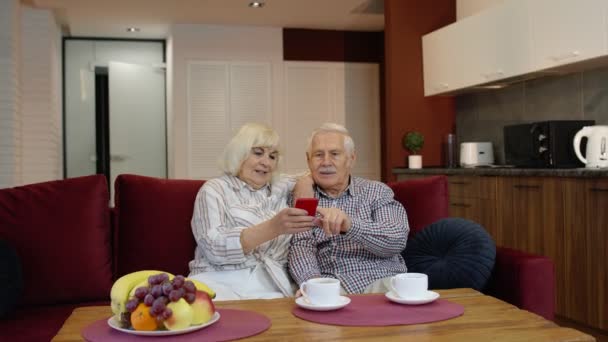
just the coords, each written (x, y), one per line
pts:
(410, 285)
(321, 291)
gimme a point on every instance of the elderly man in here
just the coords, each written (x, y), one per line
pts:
(362, 229)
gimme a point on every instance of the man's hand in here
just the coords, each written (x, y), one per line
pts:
(334, 221)
(304, 187)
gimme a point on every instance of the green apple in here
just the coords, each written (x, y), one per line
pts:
(202, 308)
(181, 317)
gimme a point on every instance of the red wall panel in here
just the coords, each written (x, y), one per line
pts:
(406, 107)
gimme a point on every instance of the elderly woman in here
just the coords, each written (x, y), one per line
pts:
(242, 223)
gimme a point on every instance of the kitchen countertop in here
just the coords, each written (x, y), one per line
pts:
(504, 171)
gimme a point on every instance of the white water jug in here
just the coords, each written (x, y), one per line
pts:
(597, 146)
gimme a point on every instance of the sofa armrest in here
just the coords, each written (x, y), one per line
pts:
(525, 280)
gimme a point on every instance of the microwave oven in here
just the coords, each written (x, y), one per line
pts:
(546, 144)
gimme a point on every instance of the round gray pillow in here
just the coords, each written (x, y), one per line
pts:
(454, 253)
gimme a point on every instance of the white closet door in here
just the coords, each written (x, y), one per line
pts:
(344, 93)
(222, 96)
(309, 101)
(249, 94)
(361, 103)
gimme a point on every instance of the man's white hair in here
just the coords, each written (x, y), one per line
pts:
(238, 149)
(330, 127)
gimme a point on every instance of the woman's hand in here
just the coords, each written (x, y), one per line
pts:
(334, 221)
(292, 221)
(286, 221)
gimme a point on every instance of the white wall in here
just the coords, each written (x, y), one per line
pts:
(41, 100)
(465, 8)
(10, 120)
(214, 43)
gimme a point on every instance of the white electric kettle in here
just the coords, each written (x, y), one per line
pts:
(597, 146)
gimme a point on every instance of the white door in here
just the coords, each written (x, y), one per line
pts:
(137, 120)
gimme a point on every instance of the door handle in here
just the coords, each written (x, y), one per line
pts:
(118, 157)
(522, 186)
(463, 205)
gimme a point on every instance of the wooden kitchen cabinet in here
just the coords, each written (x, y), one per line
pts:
(531, 214)
(532, 220)
(596, 224)
(474, 198)
(573, 297)
(563, 218)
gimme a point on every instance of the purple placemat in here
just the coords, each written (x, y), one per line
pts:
(377, 310)
(233, 324)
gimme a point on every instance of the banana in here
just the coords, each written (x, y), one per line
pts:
(203, 287)
(122, 288)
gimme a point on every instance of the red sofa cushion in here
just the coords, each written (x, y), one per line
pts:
(153, 217)
(521, 270)
(41, 323)
(425, 200)
(61, 233)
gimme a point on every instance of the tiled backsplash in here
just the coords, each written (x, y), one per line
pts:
(481, 116)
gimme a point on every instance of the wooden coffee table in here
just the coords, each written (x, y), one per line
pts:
(485, 318)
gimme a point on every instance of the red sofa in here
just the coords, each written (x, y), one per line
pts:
(72, 245)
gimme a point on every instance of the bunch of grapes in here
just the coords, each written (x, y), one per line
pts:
(159, 292)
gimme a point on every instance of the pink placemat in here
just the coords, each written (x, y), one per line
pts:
(233, 324)
(377, 310)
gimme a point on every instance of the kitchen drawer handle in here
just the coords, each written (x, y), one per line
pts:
(598, 190)
(464, 205)
(521, 186)
(460, 183)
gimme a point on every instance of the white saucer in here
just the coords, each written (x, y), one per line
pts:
(428, 297)
(305, 304)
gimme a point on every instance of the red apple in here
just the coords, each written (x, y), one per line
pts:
(202, 308)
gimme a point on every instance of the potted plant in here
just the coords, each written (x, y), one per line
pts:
(413, 142)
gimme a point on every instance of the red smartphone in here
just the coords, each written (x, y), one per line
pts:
(308, 204)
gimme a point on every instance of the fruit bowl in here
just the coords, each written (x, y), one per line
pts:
(155, 302)
(116, 326)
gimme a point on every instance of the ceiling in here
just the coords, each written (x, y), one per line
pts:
(110, 18)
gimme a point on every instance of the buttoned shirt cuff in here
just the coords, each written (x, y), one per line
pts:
(355, 230)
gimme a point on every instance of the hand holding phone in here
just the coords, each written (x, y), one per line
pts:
(308, 204)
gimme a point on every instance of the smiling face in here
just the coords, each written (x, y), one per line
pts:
(257, 169)
(329, 162)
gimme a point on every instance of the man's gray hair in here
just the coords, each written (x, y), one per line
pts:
(330, 127)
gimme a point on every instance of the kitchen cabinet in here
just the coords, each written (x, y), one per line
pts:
(532, 221)
(564, 218)
(567, 31)
(474, 198)
(596, 226)
(513, 40)
(477, 49)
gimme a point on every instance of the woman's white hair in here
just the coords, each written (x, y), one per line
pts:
(330, 127)
(238, 149)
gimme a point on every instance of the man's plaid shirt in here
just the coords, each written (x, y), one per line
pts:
(369, 251)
